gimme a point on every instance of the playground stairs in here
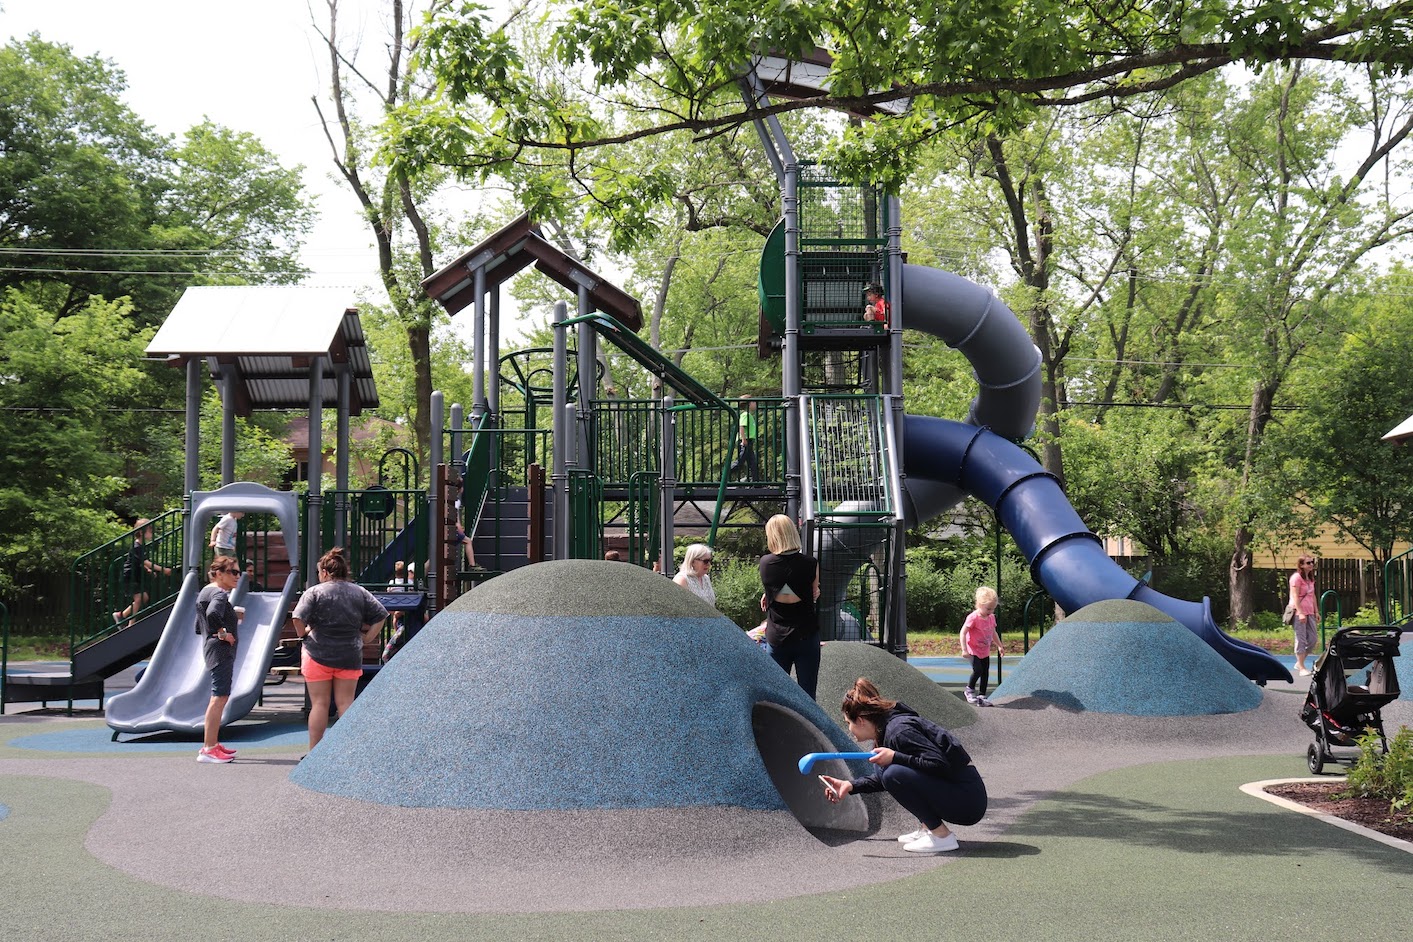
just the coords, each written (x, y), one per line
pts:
(501, 540)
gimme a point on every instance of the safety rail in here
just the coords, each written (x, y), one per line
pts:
(1396, 602)
(627, 438)
(1339, 614)
(585, 502)
(4, 654)
(1025, 619)
(851, 471)
(376, 526)
(97, 587)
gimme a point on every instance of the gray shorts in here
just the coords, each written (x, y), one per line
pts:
(220, 661)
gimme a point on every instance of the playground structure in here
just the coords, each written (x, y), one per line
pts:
(835, 449)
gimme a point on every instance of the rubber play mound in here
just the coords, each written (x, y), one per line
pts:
(576, 685)
(1127, 657)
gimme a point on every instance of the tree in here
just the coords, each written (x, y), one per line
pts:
(393, 202)
(62, 378)
(674, 68)
(94, 202)
(1334, 467)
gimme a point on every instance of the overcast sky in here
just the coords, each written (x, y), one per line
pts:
(251, 65)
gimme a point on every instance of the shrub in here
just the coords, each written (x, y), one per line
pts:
(1390, 777)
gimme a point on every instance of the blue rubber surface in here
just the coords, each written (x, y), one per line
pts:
(99, 739)
(1127, 657)
(487, 709)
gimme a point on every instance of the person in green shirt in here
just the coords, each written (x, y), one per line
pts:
(746, 435)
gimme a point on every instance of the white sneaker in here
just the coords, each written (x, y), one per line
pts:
(971, 695)
(911, 836)
(982, 701)
(930, 843)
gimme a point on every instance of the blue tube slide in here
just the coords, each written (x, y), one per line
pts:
(1065, 557)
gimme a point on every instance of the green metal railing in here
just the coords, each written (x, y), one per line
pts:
(1025, 619)
(644, 521)
(849, 461)
(97, 588)
(498, 465)
(585, 507)
(627, 440)
(4, 654)
(1396, 603)
(1339, 613)
(376, 526)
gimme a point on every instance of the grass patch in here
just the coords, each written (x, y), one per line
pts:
(37, 648)
(946, 644)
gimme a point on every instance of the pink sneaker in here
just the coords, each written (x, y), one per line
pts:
(211, 755)
(223, 750)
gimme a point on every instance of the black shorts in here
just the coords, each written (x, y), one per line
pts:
(220, 661)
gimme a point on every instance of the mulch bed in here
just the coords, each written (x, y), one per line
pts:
(1372, 813)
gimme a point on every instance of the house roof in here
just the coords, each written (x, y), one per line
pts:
(509, 251)
(265, 338)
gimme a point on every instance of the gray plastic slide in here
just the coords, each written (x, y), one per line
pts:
(175, 689)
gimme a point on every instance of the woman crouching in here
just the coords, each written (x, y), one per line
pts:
(919, 763)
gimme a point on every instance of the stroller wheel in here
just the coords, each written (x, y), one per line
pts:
(1315, 758)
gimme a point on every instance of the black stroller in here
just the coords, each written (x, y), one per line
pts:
(1351, 685)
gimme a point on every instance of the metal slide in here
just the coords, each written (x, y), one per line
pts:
(944, 460)
(175, 689)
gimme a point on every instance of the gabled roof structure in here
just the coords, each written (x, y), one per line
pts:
(265, 339)
(509, 251)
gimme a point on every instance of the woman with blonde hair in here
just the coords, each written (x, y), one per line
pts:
(335, 618)
(919, 763)
(791, 583)
(695, 575)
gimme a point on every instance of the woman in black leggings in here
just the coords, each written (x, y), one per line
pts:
(919, 763)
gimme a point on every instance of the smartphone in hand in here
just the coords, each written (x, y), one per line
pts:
(829, 787)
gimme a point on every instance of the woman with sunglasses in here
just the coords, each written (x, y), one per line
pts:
(695, 575)
(216, 621)
(1302, 608)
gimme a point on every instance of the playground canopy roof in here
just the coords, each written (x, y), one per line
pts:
(807, 76)
(265, 338)
(509, 251)
(1402, 432)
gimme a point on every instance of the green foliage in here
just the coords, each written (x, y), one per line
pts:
(943, 578)
(61, 378)
(737, 585)
(1389, 777)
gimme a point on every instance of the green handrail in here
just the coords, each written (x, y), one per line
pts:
(95, 591)
(4, 655)
(1394, 603)
(1025, 620)
(585, 501)
(1339, 614)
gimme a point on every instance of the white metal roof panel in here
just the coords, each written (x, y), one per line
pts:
(253, 320)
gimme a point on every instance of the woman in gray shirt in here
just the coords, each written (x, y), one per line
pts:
(335, 618)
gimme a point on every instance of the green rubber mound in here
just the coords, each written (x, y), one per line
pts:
(1128, 658)
(1118, 610)
(580, 587)
(843, 662)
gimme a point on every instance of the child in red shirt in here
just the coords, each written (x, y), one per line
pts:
(875, 308)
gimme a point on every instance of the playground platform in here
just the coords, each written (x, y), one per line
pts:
(1101, 827)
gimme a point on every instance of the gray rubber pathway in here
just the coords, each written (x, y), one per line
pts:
(1102, 827)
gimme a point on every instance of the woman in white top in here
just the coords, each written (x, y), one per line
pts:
(695, 575)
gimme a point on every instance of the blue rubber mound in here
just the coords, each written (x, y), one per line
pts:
(567, 685)
(1127, 657)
